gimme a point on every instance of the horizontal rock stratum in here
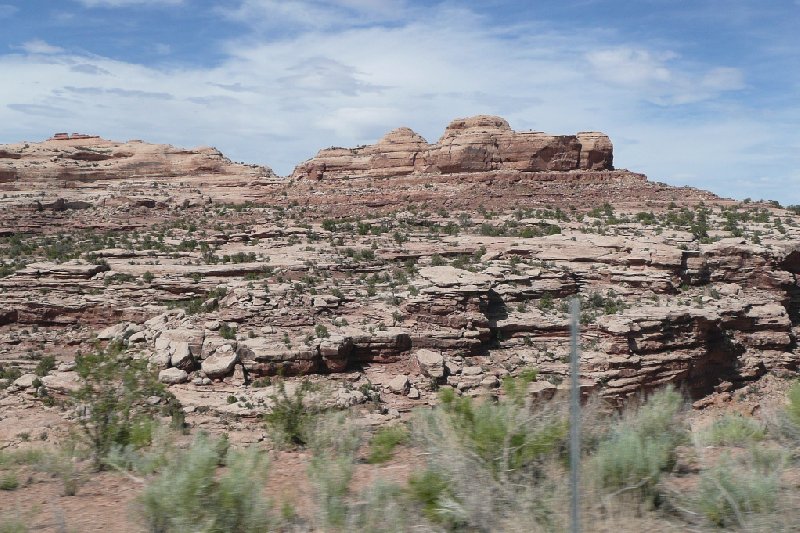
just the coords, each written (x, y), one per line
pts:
(91, 158)
(475, 144)
(404, 265)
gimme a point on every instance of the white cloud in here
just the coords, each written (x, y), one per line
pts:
(316, 14)
(278, 99)
(660, 77)
(38, 46)
(126, 3)
(723, 79)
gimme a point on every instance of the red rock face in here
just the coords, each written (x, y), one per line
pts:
(472, 249)
(477, 144)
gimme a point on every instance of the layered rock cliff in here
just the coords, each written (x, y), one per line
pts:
(449, 263)
(84, 159)
(476, 144)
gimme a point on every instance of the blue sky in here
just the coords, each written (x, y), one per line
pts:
(692, 92)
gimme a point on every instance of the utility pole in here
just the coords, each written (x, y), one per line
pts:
(575, 417)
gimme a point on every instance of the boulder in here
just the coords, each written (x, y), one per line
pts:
(398, 384)
(173, 376)
(221, 363)
(430, 363)
(181, 355)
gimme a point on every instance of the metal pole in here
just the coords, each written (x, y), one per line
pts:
(575, 417)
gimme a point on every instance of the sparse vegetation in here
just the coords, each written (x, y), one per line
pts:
(384, 441)
(290, 418)
(190, 494)
(641, 446)
(112, 402)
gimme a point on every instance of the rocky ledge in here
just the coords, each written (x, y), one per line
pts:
(455, 271)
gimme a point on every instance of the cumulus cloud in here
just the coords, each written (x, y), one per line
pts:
(316, 14)
(127, 3)
(277, 99)
(660, 77)
(38, 46)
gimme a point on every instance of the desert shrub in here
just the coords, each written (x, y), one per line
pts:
(333, 441)
(189, 495)
(113, 402)
(640, 446)
(516, 388)
(380, 508)
(793, 407)
(385, 440)
(9, 481)
(437, 260)
(227, 332)
(484, 458)
(290, 418)
(330, 476)
(732, 430)
(28, 456)
(500, 433)
(730, 491)
(429, 488)
(141, 458)
(45, 365)
(13, 523)
(9, 373)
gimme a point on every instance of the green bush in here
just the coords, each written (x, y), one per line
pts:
(189, 495)
(499, 433)
(143, 459)
(9, 373)
(640, 446)
(486, 459)
(113, 402)
(227, 332)
(28, 456)
(516, 387)
(290, 417)
(381, 507)
(729, 492)
(428, 489)
(330, 476)
(9, 481)
(13, 524)
(793, 407)
(733, 430)
(383, 443)
(45, 365)
(333, 440)
(321, 331)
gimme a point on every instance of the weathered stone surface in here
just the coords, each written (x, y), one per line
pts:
(471, 250)
(221, 363)
(476, 144)
(430, 363)
(398, 384)
(541, 390)
(173, 376)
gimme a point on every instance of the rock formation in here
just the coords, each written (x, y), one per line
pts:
(476, 144)
(455, 271)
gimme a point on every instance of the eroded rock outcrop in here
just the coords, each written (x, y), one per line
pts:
(477, 144)
(456, 271)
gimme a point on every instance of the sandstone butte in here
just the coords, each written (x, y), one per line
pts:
(396, 267)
